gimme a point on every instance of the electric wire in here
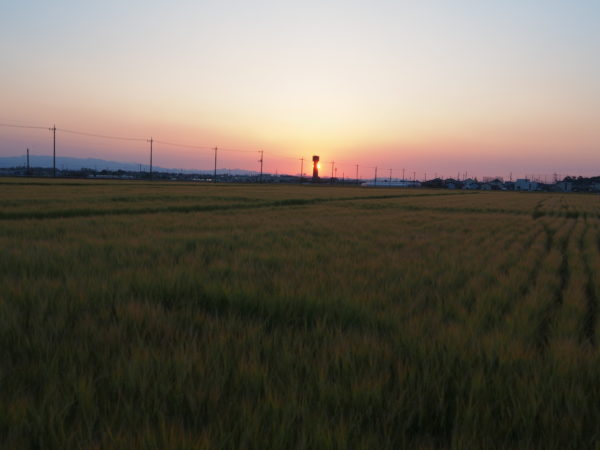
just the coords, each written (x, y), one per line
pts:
(8, 125)
(180, 145)
(101, 136)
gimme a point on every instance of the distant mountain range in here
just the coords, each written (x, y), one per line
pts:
(68, 163)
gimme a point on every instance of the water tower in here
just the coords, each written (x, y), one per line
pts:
(315, 168)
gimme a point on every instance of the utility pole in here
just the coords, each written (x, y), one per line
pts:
(215, 173)
(425, 176)
(261, 165)
(414, 177)
(375, 176)
(151, 142)
(27, 162)
(390, 175)
(403, 175)
(357, 174)
(301, 169)
(332, 166)
(53, 129)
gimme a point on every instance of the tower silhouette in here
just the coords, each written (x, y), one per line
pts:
(315, 168)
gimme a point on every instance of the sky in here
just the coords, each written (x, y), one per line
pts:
(439, 87)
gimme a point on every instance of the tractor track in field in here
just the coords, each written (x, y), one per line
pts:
(549, 313)
(589, 324)
(250, 204)
(470, 303)
(537, 211)
(524, 288)
(183, 209)
(503, 307)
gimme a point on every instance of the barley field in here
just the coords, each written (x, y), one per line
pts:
(167, 315)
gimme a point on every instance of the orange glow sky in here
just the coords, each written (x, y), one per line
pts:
(487, 88)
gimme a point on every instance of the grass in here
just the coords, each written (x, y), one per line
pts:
(190, 316)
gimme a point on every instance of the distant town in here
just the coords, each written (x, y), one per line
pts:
(566, 184)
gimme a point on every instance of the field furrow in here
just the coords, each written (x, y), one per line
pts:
(529, 318)
(558, 272)
(568, 328)
(590, 247)
(469, 295)
(205, 204)
(513, 282)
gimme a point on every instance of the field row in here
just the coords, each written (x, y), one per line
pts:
(38, 202)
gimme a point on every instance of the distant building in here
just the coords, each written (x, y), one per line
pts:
(563, 186)
(385, 183)
(523, 184)
(497, 185)
(470, 184)
(435, 183)
(451, 183)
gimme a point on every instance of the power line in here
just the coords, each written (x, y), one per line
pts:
(236, 150)
(202, 147)
(215, 175)
(101, 136)
(7, 125)
(279, 155)
(173, 144)
(182, 145)
(137, 139)
(151, 141)
(345, 164)
(53, 129)
(126, 138)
